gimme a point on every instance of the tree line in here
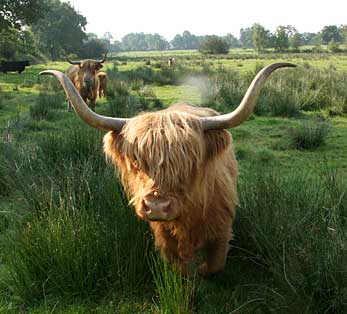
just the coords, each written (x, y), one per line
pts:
(41, 29)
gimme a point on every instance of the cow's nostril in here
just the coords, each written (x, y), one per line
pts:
(145, 207)
(167, 208)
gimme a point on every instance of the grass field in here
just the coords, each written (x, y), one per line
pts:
(70, 244)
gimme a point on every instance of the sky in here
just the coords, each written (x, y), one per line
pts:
(217, 17)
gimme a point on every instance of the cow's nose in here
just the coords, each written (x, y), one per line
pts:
(159, 204)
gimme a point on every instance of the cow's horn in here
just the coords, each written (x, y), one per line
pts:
(72, 62)
(93, 119)
(245, 109)
(103, 59)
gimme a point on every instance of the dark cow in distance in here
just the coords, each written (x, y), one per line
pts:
(83, 75)
(179, 171)
(13, 66)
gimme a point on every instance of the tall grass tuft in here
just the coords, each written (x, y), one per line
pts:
(175, 292)
(50, 97)
(309, 134)
(7, 158)
(76, 236)
(294, 227)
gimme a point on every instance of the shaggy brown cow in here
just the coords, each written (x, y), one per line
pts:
(179, 171)
(83, 74)
(103, 80)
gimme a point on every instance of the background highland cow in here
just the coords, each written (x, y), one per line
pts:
(84, 76)
(103, 79)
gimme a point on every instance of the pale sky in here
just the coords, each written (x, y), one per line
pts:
(200, 17)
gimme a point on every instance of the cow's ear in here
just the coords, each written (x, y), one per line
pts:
(98, 66)
(216, 141)
(113, 142)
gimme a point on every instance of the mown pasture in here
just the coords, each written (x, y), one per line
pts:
(70, 243)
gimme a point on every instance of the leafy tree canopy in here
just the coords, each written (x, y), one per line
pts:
(61, 31)
(329, 33)
(17, 13)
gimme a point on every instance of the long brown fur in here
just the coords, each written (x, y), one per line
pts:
(168, 152)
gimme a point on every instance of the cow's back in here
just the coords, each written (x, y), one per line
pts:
(193, 110)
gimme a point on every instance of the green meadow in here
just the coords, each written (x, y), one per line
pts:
(71, 244)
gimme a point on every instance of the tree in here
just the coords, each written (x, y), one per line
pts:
(142, 42)
(329, 33)
(116, 46)
(343, 34)
(18, 43)
(281, 39)
(214, 45)
(107, 39)
(295, 41)
(18, 13)
(186, 41)
(177, 42)
(134, 42)
(93, 47)
(156, 42)
(294, 37)
(309, 38)
(246, 37)
(61, 31)
(16, 38)
(260, 37)
(232, 40)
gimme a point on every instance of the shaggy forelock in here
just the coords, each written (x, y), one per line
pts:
(168, 147)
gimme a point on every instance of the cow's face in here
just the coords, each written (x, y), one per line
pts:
(90, 66)
(161, 157)
(89, 69)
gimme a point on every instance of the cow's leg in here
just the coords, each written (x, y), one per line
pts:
(216, 253)
(92, 104)
(167, 246)
(69, 106)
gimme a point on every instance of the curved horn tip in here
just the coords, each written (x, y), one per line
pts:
(47, 72)
(282, 65)
(104, 58)
(246, 107)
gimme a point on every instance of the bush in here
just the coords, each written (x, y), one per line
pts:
(309, 134)
(214, 45)
(333, 46)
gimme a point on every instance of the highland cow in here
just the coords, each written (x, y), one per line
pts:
(103, 80)
(83, 74)
(179, 171)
